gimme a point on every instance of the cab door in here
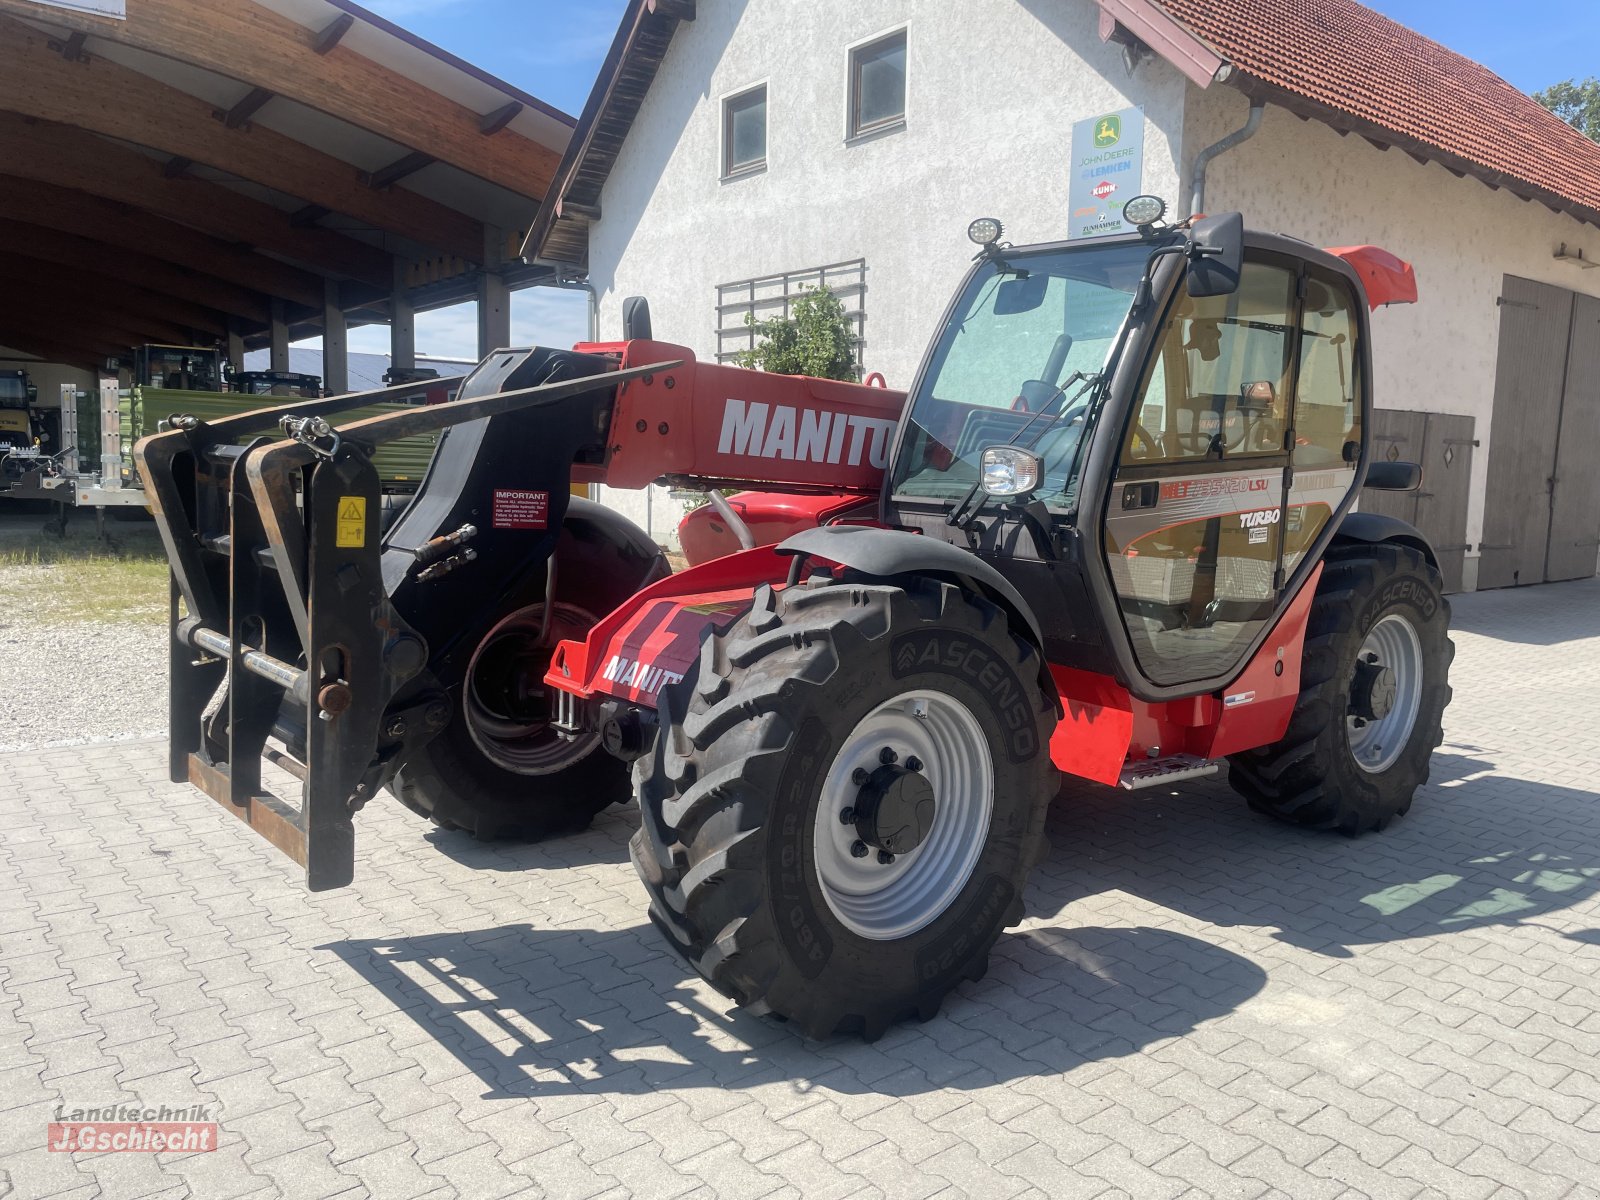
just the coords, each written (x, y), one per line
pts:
(1195, 526)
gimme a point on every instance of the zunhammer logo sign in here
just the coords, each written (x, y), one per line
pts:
(760, 430)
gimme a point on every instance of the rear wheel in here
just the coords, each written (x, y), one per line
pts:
(1374, 686)
(500, 769)
(845, 800)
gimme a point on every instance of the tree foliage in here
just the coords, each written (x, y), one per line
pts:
(1578, 104)
(815, 340)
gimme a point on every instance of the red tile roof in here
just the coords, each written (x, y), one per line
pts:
(1342, 55)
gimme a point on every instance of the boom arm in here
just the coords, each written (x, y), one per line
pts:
(706, 423)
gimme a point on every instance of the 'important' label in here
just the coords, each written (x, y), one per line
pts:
(521, 510)
(351, 531)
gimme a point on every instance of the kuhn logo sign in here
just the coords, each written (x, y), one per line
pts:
(819, 435)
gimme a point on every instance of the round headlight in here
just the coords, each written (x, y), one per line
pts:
(1144, 210)
(985, 231)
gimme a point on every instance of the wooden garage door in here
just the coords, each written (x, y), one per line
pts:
(1575, 492)
(1442, 443)
(1541, 516)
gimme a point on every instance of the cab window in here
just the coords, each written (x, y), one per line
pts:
(1218, 389)
(1194, 531)
(1327, 413)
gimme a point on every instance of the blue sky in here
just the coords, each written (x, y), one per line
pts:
(553, 49)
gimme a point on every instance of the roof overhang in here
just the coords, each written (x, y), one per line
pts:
(559, 235)
(1160, 32)
(1146, 23)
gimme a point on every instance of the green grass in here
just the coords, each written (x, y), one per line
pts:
(80, 578)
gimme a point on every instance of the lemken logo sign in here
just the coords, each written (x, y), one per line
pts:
(819, 435)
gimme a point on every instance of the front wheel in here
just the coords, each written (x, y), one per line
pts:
(845, 800)
(1374, 686)
(500, 769)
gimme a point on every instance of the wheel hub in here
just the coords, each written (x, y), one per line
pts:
(895, 809)
(1372, 694)
(916, 774)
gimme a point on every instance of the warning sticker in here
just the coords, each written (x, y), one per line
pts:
(521, 510)
(351, 530)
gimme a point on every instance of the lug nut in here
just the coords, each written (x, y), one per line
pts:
(887, 756)
(847, 817)
(913, 763)
(885, 857)
(859, 776)
(858, 849)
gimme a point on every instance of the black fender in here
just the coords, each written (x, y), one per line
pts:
(888, 552)
(1368, 529)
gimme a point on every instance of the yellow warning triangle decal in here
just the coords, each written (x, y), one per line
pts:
(352, 511)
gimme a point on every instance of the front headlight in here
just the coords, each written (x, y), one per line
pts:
(1009, 471)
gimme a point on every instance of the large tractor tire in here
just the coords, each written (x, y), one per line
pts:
(845, 800)
(499, 770)
(1374, 684)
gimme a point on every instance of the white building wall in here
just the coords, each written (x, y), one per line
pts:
(1439, 355)
(993, 89)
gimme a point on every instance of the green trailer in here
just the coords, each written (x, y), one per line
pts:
(146, 410)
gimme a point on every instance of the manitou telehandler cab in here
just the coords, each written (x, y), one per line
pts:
(1109, 532)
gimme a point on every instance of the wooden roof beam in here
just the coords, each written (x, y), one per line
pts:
(271, 51)
(62, 325)
(72, 48)
(73, 352)
(118, 102)
(501, 117)
(126, 229)
(45, 281)
(332, 33)
(239, 115)
(78, 255)
(74, 158)
(385, 177)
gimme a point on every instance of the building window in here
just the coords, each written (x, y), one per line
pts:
(878, 85)
(743, 303)
(744, 132)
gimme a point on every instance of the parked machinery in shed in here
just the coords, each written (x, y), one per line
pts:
(22, 437)
(1111, 534)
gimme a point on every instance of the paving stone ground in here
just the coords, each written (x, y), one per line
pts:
(1200, 1003)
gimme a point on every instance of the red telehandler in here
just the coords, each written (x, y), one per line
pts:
(1109, 532)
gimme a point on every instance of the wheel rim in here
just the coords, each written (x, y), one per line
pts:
(505, 701)
(884, 901)
(1392, 646)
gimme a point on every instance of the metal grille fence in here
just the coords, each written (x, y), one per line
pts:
(772, 295)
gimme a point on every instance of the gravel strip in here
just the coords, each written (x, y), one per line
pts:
(65, 683)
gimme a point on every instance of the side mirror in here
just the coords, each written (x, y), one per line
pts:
(636, 319)
(1216, 255)
(1394, 476)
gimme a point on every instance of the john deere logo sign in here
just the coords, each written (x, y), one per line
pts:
(1107, 165)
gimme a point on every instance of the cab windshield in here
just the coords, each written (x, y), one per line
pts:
(1019, 361)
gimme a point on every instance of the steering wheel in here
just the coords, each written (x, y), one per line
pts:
(1150, 443)
(1196, 445)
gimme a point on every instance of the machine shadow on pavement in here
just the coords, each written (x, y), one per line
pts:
(545, 1012)
(540, 1012)
(1477, 849)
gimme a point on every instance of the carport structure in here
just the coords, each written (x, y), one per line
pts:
(254, 172)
